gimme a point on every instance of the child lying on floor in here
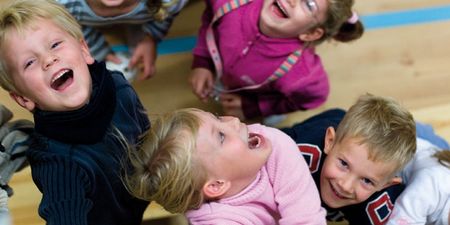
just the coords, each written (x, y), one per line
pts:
(221, 171)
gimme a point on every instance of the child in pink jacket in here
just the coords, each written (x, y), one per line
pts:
(261, 53)
(218, 170)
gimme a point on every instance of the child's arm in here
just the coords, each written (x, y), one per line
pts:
(201, 77)
(305, 86)
(200, 52)
(96, 41)
(295, 191)
(64, 186)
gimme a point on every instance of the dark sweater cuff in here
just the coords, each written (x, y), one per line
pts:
(203, 62)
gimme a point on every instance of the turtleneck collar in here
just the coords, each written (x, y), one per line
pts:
(88, 124)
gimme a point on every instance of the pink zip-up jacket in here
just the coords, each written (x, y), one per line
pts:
(249, 57)
(283, 193)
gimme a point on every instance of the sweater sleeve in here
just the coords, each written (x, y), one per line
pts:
(201, 49)
(305, 86)
(65, 186)
(158, 29)
(295, 192)
(5, 218)
(96, 41)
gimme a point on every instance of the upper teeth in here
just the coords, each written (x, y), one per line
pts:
(281, 7)
(60, 74)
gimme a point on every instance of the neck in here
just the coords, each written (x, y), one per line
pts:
(238, 186)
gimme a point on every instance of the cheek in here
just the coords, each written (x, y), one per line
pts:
(329, 170)
(362, 194)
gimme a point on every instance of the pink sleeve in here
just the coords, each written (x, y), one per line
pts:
(295, 191)
(306, 86)
(201, 49)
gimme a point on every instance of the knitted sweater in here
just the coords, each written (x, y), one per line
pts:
(76, 157)
(283, 192)
(249, 57)
(139, 15)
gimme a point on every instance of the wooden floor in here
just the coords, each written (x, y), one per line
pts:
(410, 63)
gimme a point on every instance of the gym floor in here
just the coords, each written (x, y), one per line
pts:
(404, 54)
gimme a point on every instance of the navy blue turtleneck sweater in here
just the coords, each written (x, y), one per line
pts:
(76, 157)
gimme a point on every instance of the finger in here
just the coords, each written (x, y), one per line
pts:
(113, 58)
(134, 59)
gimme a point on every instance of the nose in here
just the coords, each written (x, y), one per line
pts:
(346, 185)
(49, 61)
(234, 122)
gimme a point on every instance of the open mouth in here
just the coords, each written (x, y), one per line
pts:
(62, 80)
(254, 140)
(279, 10)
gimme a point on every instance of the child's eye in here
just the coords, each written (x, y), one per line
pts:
(343, 163)
(56, 44)
(367, 181)
(28, 63)
(311, 5)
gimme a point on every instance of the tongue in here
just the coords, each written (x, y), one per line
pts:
(277, 11)
(253, 141)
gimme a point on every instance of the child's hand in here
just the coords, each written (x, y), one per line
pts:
(145, 52)
(201, 80)
(232, 105)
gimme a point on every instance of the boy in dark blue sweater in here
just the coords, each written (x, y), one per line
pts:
(354, 156)
(85, 116)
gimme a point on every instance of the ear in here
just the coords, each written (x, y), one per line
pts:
(330, 136)
(312, 35)
(216, 188)
(86, 53)
(392, 181)
(23, 101)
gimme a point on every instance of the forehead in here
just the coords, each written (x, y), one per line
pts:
(206, 128)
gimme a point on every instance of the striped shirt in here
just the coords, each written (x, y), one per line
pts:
(138, 16)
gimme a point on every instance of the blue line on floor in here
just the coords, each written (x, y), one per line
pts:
(371, 22)
(408, 17)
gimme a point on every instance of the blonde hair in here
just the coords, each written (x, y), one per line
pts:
(17, 15)
(384, 126)
(336, 23)
(165, 169)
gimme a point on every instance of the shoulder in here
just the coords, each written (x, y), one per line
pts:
(313, 129)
